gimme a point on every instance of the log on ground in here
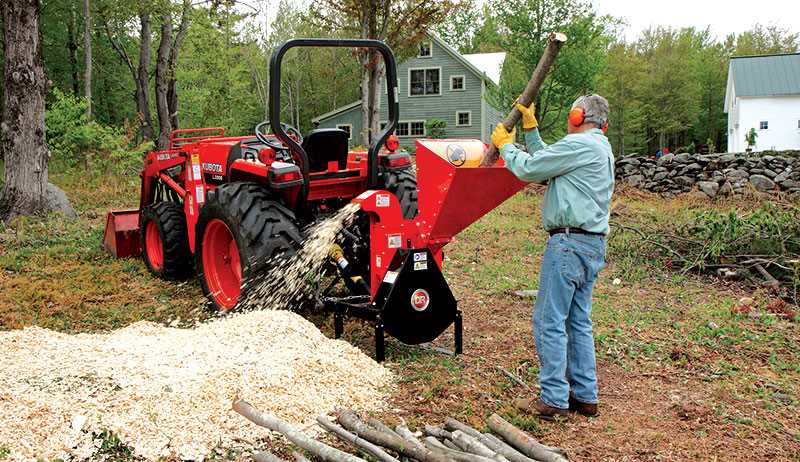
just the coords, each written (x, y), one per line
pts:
(270, 422)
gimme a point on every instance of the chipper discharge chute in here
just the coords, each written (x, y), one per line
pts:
(409, 297)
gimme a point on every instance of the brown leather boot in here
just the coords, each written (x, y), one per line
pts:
(587, 409)
(537, 406)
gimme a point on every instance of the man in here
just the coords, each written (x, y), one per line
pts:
(580, 170)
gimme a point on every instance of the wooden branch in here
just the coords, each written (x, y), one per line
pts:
(500, 447)
(522, 441)
(270, 422)
(453, 453)
(265, 456)
(299, 457)
(353, 439)
(404, 432)
(453, 425)
(474, 446)
(437, 432)
(378, 425)
(351, 422)
(770, 280)
(554, 44)
(514, 378)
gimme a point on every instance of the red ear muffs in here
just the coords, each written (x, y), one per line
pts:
(605, 128)
(576, 116)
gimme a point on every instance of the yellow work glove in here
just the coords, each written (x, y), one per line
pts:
(501, 136)
(529, 121)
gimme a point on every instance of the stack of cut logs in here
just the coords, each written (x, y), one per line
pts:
(454, 442)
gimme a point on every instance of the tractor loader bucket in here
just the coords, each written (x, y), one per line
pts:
(453, 190)
(121, 237)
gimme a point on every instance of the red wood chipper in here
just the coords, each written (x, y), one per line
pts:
(229, 207)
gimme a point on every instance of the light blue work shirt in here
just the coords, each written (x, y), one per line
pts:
(580, 168)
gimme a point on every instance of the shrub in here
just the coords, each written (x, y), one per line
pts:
(75, 139)
(436, 128)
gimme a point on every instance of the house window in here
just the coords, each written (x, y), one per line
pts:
(417, 128)
(348, 128)
(763, 125)
(425, 50)
(424, 82)
(456, 82)
(463, 118)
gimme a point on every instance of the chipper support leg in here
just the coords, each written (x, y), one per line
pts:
(338, 325)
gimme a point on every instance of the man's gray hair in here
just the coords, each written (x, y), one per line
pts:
(595, 108)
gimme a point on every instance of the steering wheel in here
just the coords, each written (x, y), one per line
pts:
(275, 143)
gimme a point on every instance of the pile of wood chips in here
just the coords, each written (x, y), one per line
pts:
(168, 392)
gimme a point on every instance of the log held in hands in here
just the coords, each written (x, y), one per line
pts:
(554, 44)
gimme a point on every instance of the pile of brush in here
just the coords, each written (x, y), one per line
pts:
(454, 442)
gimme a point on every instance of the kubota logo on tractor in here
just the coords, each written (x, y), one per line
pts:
(420, 299)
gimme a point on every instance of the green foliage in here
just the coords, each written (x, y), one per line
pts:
(526, 26)
(769, 230)
(436, 128)
(751, 137)
(112, 448)
(74, 139)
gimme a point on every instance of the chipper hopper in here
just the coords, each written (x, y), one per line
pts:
(226, 208)
(409, 297)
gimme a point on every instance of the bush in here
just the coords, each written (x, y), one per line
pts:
(436, 128)
(74, 139)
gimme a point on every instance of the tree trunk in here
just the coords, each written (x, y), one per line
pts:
(143, 78)
(72, 47)
(172, 92)
(162, 82)
(22, 132)
(87, 56)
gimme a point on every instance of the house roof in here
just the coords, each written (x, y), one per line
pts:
(491, 64)
(769, 75)
(338, 110)
(486, 65)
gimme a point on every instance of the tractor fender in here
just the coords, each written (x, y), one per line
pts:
(243, 170)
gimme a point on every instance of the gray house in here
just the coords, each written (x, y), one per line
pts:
(439, 83)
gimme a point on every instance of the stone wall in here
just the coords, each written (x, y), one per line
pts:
(712, 175)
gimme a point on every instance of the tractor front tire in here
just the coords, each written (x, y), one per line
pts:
(403, 184)
(165, 242)
(241, 229)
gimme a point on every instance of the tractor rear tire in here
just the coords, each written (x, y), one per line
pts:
(165, 242)
(403, 184)
(241, 229)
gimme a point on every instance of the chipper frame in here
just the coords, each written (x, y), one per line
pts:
(409, 298)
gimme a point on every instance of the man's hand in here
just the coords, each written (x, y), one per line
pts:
(529, 121)
(501, 136)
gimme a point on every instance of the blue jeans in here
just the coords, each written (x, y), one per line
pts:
(562, 327)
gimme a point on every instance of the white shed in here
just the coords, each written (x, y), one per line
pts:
(763, 93)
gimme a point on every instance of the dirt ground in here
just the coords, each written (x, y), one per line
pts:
(683, 375)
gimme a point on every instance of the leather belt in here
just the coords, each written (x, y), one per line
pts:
(568, 231)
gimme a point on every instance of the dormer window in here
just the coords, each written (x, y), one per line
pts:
(425, 49)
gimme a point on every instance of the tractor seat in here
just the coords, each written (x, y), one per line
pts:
(325, 145)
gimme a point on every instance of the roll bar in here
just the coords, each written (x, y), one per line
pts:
(275, 99)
